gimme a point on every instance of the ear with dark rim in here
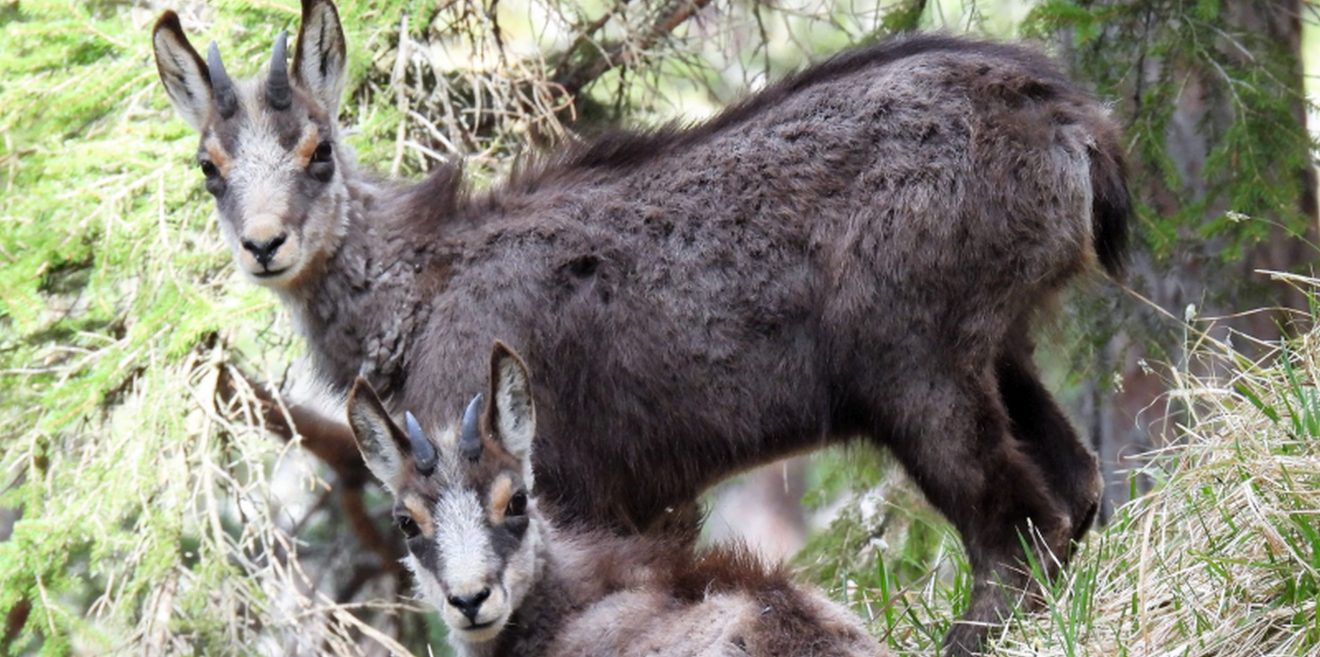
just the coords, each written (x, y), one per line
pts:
(319, 59)
(383, 444)
(510, 414)
(182, 70)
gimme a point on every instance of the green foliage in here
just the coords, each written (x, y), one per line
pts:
(1221, 559)
(894, 559)
(117, 304)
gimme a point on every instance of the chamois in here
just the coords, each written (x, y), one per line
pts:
(858, 251)
(508, 581)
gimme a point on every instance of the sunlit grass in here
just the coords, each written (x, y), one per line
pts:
(1221, 558)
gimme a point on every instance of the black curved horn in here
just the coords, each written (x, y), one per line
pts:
(278, 93)
(221, 85)
(422, 450)
(469, 442)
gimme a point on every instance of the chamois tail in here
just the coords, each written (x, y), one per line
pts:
(1111, 206)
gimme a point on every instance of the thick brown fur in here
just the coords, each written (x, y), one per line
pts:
(858, 251)
(651, 596)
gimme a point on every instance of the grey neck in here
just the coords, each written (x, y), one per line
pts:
(359, 313)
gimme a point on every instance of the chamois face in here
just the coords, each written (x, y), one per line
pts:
(268, 151)
(462, 497)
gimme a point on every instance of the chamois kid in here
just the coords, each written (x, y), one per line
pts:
(509, 581)
(858, 251)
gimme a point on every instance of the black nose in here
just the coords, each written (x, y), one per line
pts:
(265, 251)
(471, 604)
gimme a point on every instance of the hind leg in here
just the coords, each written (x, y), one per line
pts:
(1046, 435)
(952, 435)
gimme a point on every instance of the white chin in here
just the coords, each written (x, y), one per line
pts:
(479, 636)
(268, 278)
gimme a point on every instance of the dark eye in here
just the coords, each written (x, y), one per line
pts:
(322, 165)
(215, 183)
(517, 505)
(407, 526)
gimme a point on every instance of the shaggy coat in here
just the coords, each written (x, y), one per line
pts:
(857, 252)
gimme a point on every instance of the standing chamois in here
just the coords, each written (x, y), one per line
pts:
(859, 251)
(508, 582)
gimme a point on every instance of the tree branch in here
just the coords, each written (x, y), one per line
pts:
(14, 622)
(575, 73)
(327, 439)
(389, 551)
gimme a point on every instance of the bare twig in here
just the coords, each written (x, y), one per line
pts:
(597, 62)
(327, 439)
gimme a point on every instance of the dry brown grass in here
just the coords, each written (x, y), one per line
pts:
(1223, 558)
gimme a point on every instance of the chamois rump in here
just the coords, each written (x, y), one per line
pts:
(509, 581)
(858, 251)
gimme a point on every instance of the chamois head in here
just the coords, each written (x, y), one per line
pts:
(462, 497)
(268, 144)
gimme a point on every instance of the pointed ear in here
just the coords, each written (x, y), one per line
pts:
(511, 415)
(383, 444)
(318, 62)
(182, 71)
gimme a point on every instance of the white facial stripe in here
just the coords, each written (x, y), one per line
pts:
(427, 585)
(262, 168)
(467, 561)
(263, 179)
(466, 557)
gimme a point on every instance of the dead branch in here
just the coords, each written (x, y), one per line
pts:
(327, 439)
(389, 551)
(592, 63)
